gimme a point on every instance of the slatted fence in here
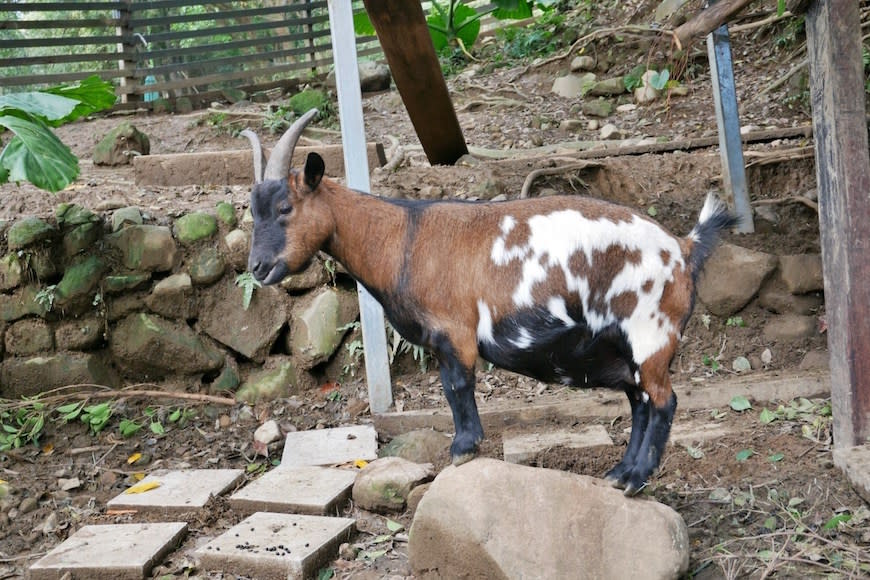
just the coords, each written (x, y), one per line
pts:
(168, 48)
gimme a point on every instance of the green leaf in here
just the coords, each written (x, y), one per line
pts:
(744, 454)
(157, 428)
(835, 521)
(91, 95)
(658, 80)
(41, 105)
(129, 428)
(382, 538)
(767, 416)
(175, 416)
(465, 26)
(770, 523)
(776, 457)
(362, 24)
(36, 155)
(394, 526)
(512, 9)
(694, 452)
(325, 574)
(652, 211)
(740, 403)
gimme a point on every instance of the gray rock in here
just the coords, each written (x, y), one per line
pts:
(572, 86)
(791, 327)
(173, 297)
(384, 484)
(157, 347)
(238, 245)
(250, 332)
(415, 495)
(597, 108)
(610, 132)
(28, 376)
(10, 272)
(79, 334)
(126, 216)
(145, 248)
(419, 446)
(741, 364)
(319, 323)
(374, 76)
(124, 282)
(607, 87)
(120, 145)
(582, 63)
(28, 231)
(311, 277)
(645, 94)
(571, 125)
(29, 336)
(802, 273)
(776, 297)
(207, 266)
(278, 379)
(815, 359)
(22, 302)
(490, 519)
(732, 277)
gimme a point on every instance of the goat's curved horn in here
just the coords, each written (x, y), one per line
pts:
(278, 166)
(258, 154)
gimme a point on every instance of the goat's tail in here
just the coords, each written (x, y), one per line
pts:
(714, 218)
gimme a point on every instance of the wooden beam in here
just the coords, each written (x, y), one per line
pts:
(843, 176)
(404, 36)
(709, 19)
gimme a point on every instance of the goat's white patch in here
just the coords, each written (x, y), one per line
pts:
(484, 323)
(637, 377)
(644, 396)
(711, 205)
(556, 307)
(524, 340)
(554, 238)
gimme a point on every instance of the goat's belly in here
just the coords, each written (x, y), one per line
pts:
(540, 346)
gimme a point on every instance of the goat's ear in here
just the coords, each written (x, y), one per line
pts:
(314, 168)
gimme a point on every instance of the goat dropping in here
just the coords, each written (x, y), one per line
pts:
(563, 289)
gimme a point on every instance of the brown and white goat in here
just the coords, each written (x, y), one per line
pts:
(564, 288)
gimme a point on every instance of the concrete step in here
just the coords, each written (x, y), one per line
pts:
(302, 490)
(179, 491)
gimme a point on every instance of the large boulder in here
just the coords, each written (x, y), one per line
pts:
(490, 519)
(732, 277)
(120, 145)
(318, 324)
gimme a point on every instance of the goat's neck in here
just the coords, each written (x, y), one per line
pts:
(368, 236)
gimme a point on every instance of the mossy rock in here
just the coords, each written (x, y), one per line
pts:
(27, 232)
(79, 280)
(309, 99)
(119, 145)
(226, 213)
(71, 214)
(195, 226)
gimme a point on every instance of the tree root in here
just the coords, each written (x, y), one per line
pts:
(531, 177)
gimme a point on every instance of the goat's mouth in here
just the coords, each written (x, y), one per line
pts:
(277, 273)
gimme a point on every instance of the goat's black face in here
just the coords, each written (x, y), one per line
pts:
(270, 207)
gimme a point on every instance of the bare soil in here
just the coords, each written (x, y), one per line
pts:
(772, 513)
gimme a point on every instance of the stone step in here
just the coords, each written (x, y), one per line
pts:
(330, 446)
(271, 546)
(110, 552)
(179, 491)
(522, 447)
(302, 490)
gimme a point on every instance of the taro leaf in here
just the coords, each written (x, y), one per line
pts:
(744, 454)
(465, 27)
(35, 154)
(512, 9)
(740, 403)
(91, 95)
(45, 106)
(658, 80)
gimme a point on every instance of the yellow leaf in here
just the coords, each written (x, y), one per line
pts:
(143, 486)
(360, 463)
(47, 449)
(2, 481)
(138, 476)
(134, 458)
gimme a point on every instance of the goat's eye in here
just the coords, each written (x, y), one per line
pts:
(285, 208)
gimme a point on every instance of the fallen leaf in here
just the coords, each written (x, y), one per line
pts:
(47, 449)
(138, 476)
(134, 458)
(360, 463)
(143, 486)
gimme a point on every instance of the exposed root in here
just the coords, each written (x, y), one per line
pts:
(103, 392)
(530, 179)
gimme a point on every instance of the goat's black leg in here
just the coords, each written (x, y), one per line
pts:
(652, 447)
(640, 412)
(458, 383)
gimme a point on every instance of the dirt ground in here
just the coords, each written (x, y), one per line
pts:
(763, 501)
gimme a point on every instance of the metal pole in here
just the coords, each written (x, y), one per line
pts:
(357, 171)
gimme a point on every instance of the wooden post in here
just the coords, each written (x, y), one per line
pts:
(843, 176)
(127, 48)
(404, 36)
(728, 121)
(357, 171)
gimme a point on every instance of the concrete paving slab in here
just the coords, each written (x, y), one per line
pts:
(179, 491)
(519, 448)
(110, 552)
(693, 432)
(301, 490)
(330, 446)
(271, 546)
(855, 463)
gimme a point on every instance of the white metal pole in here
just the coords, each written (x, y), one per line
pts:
(357, 173)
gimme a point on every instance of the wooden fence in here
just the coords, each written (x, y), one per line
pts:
(150, 50)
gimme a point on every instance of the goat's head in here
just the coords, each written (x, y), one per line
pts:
(288, 231)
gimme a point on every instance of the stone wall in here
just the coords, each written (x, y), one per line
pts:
(116, 300)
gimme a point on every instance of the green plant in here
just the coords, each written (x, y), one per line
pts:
(537, 40)
(398, 345)
(21, 424)
(97, 416)
(34, 153)
(248, 284)
(710, 362)
(46, 297)
(128, 427)
(736, 321)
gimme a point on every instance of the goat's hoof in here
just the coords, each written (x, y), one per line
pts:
(632, 488)
(464, 458)
(614, 482)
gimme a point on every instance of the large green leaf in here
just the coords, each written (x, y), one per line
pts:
(92, 94)
(465, 26)
(362, 24)
(45, 106)
(35, 154)
(512, 9)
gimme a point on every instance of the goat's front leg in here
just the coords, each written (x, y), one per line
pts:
(457, 379)
(640, 412)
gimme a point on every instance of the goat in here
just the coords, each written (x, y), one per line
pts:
(563, 289)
